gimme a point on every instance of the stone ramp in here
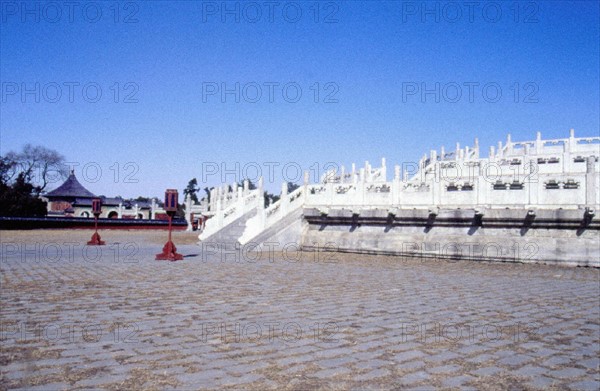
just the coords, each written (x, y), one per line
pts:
(227, 237)
(285, 232)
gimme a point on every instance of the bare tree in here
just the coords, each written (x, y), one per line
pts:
(8, 169)
(39, 164)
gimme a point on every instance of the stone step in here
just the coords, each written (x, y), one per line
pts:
(232, 232)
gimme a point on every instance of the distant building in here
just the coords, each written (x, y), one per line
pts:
(71, 199)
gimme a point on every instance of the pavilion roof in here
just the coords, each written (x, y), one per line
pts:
(71, 188)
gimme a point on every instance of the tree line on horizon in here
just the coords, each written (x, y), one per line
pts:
(25, 175)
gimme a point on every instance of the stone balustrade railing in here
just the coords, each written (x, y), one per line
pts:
(368, 173)
(556, 174)
(223, 216)
(572, 191)
(226, 195)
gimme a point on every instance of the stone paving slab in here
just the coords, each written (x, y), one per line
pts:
(121, 320)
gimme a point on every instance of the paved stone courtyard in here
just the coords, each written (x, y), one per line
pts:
(72, 318)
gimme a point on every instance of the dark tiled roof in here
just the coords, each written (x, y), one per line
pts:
(88, 201)
(113, 201)
(82, 202)
(71, 188)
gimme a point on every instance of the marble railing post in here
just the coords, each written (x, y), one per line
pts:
(188, 212)
(234, 191)
(305, 185)
(436, 189)
(572, 141)
(260, 203)
(225, 193)
(396, 186)
(528, 167)
(532, 174)
(212, 205)
(569, 147)
(482, 186)
(284, 199)
(153, 208)
(361, 188)
(240, 196)
(590, 181)
(261, 193)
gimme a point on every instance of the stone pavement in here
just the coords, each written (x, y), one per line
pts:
(72, 318)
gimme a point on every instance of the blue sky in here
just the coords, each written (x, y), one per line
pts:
(155, 63)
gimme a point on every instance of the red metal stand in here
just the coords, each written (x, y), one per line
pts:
(96, 237)
(169, 252)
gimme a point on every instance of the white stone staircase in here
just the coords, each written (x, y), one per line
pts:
(267, 218)
(242, 206)
(457, 180)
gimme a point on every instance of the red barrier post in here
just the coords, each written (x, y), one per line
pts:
(169, 252)
(96, 210)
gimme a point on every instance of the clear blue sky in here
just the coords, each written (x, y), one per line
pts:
(163, 54)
